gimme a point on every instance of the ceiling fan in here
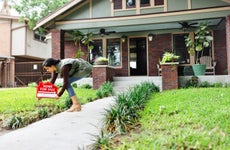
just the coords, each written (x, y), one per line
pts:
(103, 32)
(186, 25)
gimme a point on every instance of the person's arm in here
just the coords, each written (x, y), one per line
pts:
(65, 73)
(54, 77)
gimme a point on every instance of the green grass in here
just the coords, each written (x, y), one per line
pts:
(196, 118)
(17, 100)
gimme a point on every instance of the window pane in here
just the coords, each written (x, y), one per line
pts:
(180, 48)
(96, 51)
(159, 2)
(130, 3)
(118, 4)
(113, 52)
(144, 1)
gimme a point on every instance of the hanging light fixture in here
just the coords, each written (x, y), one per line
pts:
(150, 37)
(123, 38)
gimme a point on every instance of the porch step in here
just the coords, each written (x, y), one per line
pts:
(123, 84)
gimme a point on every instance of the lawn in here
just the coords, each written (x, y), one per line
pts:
(197, 118)
(22, 102)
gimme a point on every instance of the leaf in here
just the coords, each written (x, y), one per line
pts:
(199, 47)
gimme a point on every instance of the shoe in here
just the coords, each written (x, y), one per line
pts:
(74, 108)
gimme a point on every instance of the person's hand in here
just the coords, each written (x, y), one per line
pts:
(57, 97)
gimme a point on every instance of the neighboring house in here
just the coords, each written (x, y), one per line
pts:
(21, 51)
(133, 34)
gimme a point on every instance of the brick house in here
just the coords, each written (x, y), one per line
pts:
(133, 34)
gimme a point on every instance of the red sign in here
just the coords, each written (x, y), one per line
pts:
(46, 90)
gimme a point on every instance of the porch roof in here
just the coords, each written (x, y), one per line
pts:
(147, 22)
(133, 23)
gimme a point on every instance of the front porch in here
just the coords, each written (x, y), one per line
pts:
(164, 82)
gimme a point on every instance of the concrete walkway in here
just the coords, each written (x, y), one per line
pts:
(64, 131)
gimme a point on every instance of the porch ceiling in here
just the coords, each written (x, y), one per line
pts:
(155, 27)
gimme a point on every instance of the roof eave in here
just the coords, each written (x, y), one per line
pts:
(56, 13)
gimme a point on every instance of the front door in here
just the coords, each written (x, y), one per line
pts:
(137, 56)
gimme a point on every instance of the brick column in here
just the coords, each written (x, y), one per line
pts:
(169, 76)
(228, 42)
(102, 74)
(56, 43)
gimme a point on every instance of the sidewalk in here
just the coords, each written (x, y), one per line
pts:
(64, 131)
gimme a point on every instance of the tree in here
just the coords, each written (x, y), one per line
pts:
(34, 10)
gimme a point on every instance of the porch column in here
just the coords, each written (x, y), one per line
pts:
(169, 76)
(228, 42)
(56, 43)
(102, 74)
(12, 72)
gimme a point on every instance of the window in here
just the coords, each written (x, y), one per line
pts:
(159, 2)
(145, 3)
(113, 52)
(130, 3)
(118, 4)
(96, 51)
(180, 48)
(39, 36)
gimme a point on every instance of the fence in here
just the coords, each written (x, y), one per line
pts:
(27, 72)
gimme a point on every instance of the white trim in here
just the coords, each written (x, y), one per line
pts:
(227, 1)
(57, 13)
(189, 4)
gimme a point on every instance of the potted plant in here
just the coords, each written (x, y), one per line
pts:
(169, 57)
(101, 61)
(202, 40)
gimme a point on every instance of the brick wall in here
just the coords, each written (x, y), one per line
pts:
(70, 49)
(169, 76)
(101, 74)
(228, 42)
(56, 43)
(220, 53)
(124, 70)
(156, 48)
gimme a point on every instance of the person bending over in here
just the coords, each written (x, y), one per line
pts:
(71, 70)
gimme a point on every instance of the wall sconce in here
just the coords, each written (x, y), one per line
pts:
(150, 37)
(123, 38)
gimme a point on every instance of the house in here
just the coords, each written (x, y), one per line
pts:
(133, 34)
(21, 50)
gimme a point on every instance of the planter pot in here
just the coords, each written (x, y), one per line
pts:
(199, 69)
(101, 63)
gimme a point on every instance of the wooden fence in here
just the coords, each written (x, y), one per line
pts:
(27, 72)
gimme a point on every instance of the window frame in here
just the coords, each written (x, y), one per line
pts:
(137, 6)
(104, 49)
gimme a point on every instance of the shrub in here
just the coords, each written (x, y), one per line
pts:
(205, 84)
(86, 86)
(74, 85)
(43, 113)
(13, 122)
(124, 114)
(105, 90)
(32, 84)
(68, 102)
(193, 82)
